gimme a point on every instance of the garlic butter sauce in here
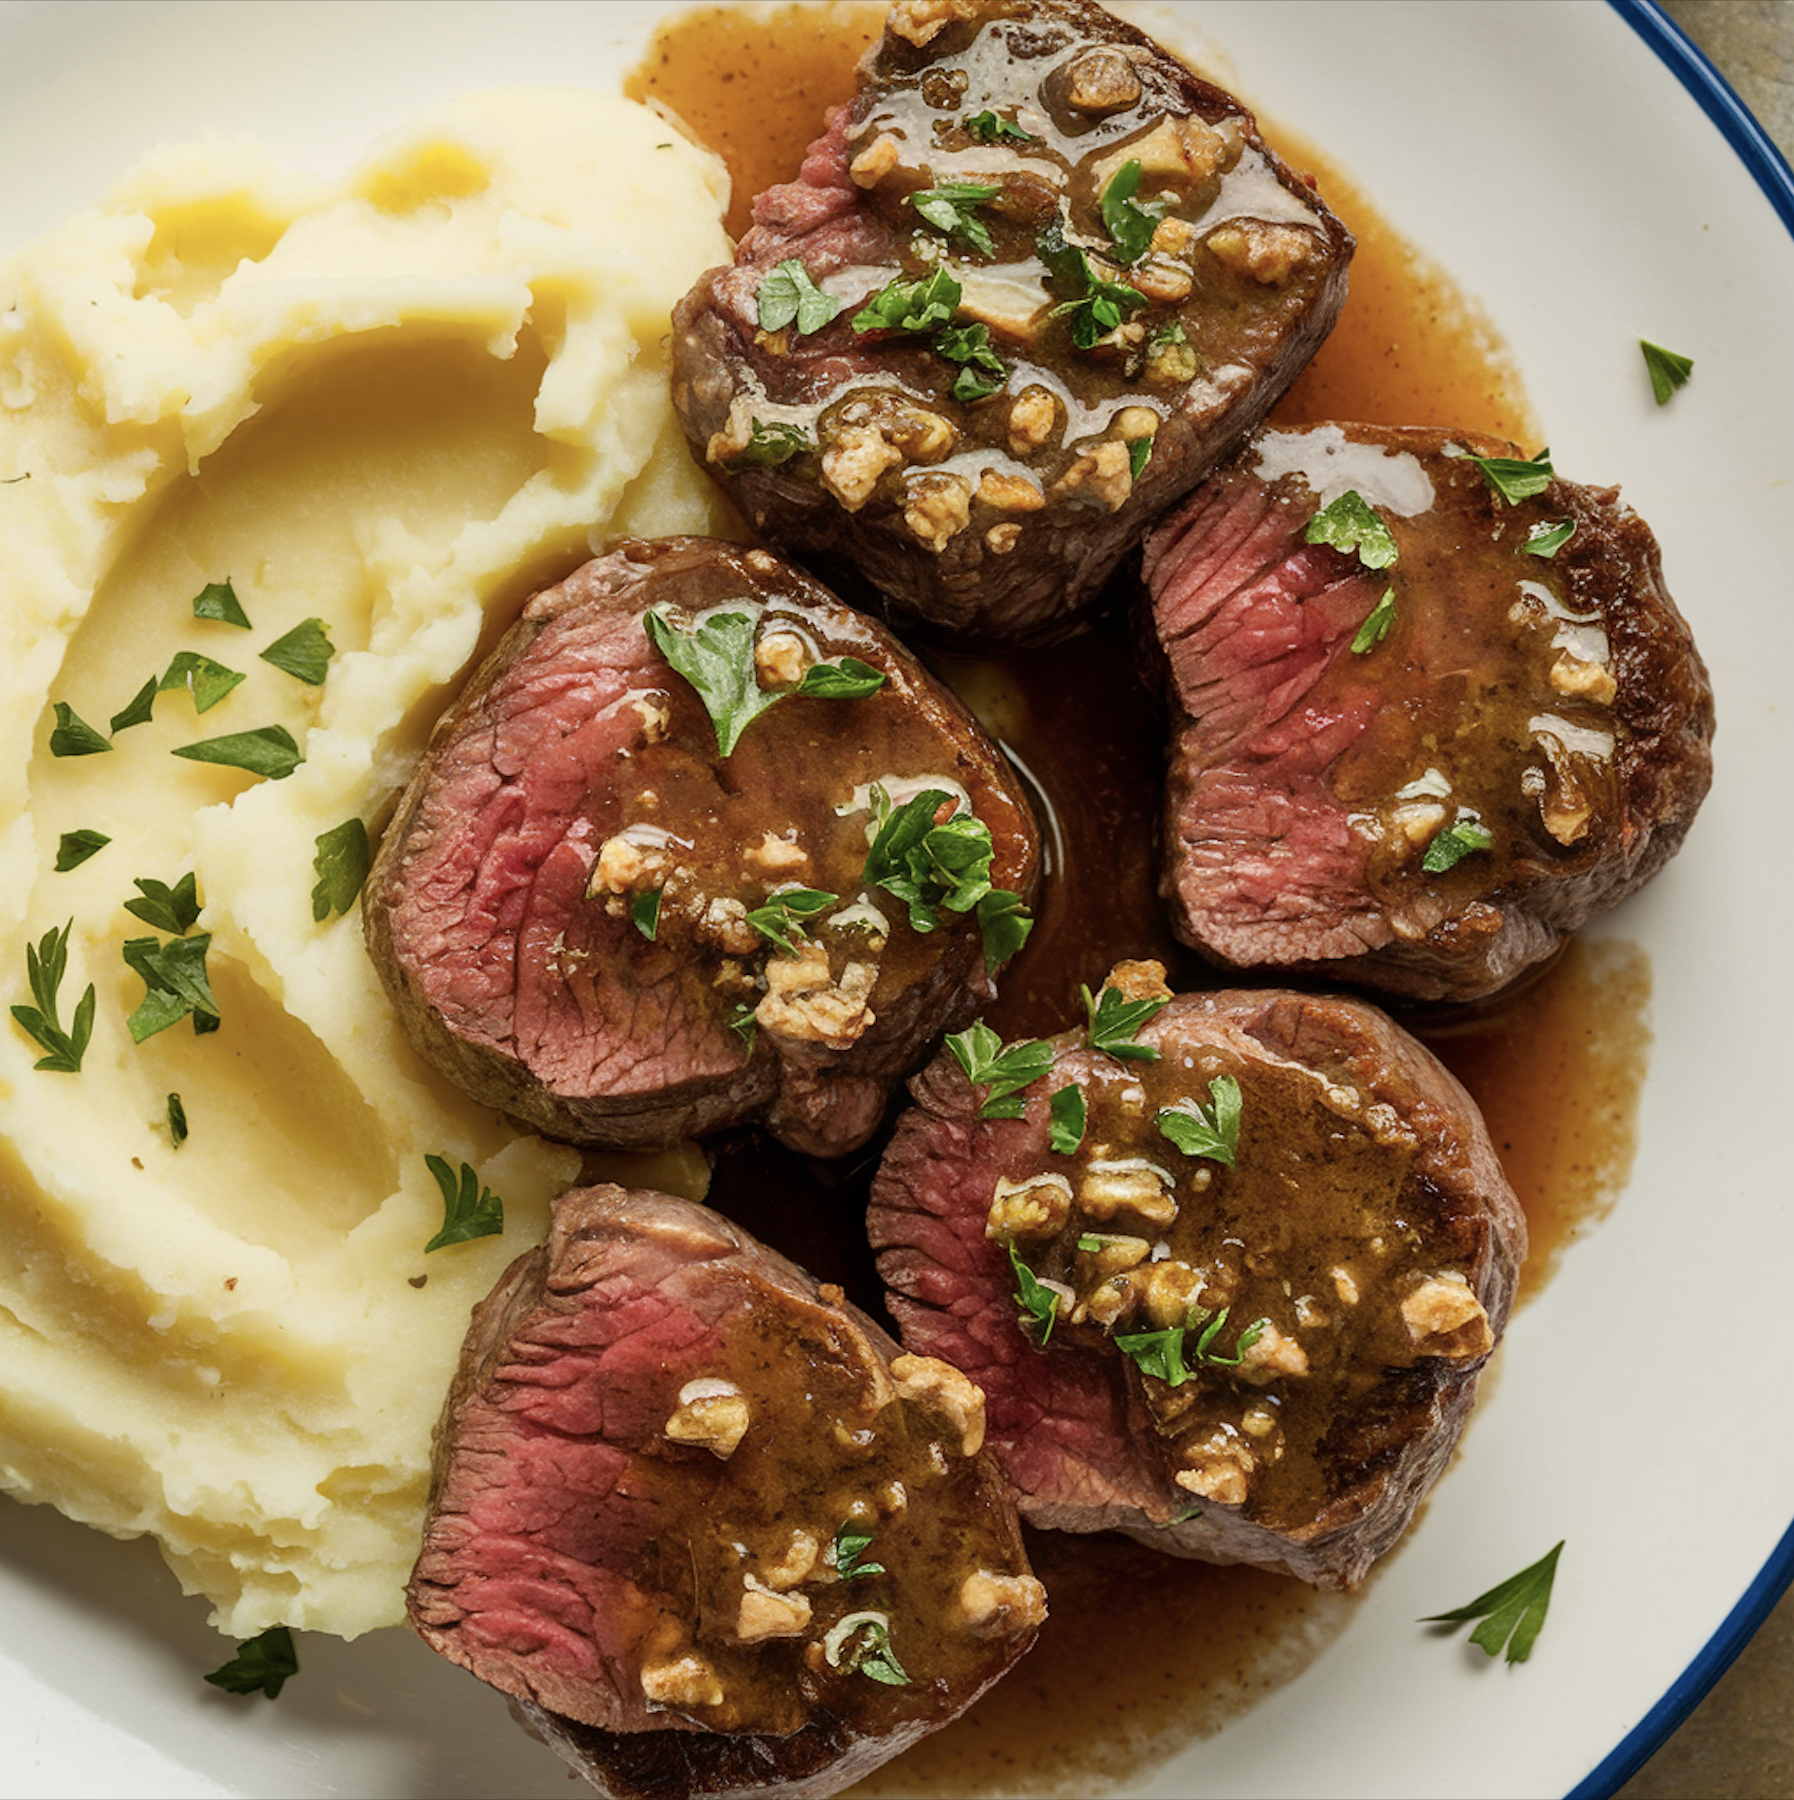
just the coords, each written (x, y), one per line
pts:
(1556, 1068)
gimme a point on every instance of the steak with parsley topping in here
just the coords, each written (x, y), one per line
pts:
(1226, 1276)
(705, 1522)
(1032, 283)
(698, 845)
(1423, 730)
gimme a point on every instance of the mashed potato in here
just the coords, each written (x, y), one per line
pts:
(395, 404)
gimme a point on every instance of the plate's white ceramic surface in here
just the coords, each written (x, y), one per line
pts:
(1561, 169)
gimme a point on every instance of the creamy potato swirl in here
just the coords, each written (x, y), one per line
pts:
(393, 402)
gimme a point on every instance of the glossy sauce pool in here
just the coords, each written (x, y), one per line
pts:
(1557, 1068)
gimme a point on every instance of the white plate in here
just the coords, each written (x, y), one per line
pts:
(1585, 176)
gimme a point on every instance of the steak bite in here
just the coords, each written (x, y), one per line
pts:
(704, 1522)
(628, 904)
(1242, 1318)
(1422, 730)
(1032, 283)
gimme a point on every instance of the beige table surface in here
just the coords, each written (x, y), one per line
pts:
(1738, 1744)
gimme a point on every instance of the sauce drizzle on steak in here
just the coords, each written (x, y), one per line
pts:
(570, 908)
(1033, 281)
(1421, 775)
(705, 1520)
(1260, 1353)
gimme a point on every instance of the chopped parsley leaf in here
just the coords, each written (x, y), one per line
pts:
(218, 600)
(1376, 624)
(982, 372)
(173, 909)
(72, 735)
(1161, 1354)
(1004, 924)
(717, 658)
(861, 1644)
(849, 1546)
(175, 983)
(1067, 1114)
(340, 861)
(924, 864)
(1113, 1021)
(46, 962)
(76, 847)
(991, 128)
(769, 445)
(1002, 1071)
(784, 913)
(1095, 307)
(788, 296)
(644, 912)
(469, 1210)
(206, 681)
(262, 1666)
(952, 209)
(910, 305)
(849, 679)
(1547, 538)
(1464, 836)
(139, 710)
(742, 1022)
(269, 750)
(177, 1121)
(1512, 1612)
(1036, 1303)
(304, 653)
(1211, 1131)
(1513, 479)
(1351, 523)
(1128, 224)
(1667, 370)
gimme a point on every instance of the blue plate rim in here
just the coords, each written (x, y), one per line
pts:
(1769, 168)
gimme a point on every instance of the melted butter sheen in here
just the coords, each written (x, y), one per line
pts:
(1556, 1069)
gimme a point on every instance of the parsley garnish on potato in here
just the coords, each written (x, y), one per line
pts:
(71, 735)
(45, 965)
(76, 847)
(218, 600)
(304, 653)
(175, 983)
(269, 750)
(341, 863)
(469, 1210)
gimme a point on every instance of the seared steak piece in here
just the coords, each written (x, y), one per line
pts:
(1418, 760)
(1031, 284)
(595, 918)
(704, 1521)
(1242, 1319)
